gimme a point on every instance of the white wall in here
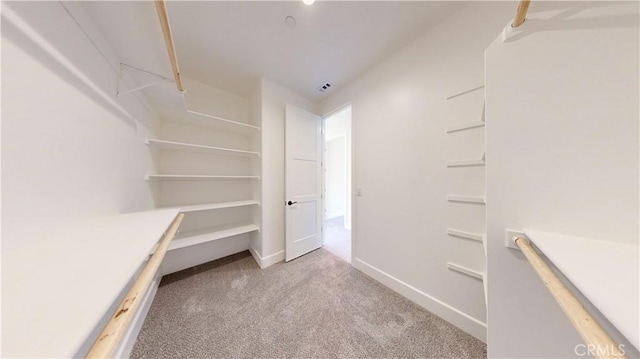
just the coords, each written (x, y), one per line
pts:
(399, 133)
(71, 150)
(336, 125)
(274, 99)
(562, 142)
(335, 177)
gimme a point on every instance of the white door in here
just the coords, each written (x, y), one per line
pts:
(303, 182)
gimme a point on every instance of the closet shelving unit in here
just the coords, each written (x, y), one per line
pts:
(208, 174)
(192, 237)
(465, 200)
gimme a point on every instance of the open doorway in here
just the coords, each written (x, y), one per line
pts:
(337, 184)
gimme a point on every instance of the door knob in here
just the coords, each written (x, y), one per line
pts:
(290, 203)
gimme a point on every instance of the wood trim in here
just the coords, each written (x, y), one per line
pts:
(588, 328)
(521, 13)
(163, 16)
(117, 326)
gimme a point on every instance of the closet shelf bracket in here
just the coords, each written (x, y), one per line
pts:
(161, 79)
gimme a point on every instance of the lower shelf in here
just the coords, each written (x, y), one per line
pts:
(192, 238)
(466, 271)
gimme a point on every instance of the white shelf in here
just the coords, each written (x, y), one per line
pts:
(605, 272)
(220, 205)
(192, 238)
(465, 163)
(196, 177)
(465, 92)
(466, 126)
(96, 256)
(466, 199)
(467, 235)
(236, 123)
(466, 271)
(179, 146)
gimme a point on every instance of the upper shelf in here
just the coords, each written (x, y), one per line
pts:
(466, 199)
(466, 163)
(219, 205)
(236, 123)
(466, 126)
(612, 287)
(180, 146)
(197, 177)
(465, 92)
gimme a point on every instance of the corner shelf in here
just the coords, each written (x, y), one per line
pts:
(219, 205)
(197, 177)
(468, 235)
(192, 238)
(466, 163)
(466, 126)
(466, 271)
(467, 199)
(180, 146)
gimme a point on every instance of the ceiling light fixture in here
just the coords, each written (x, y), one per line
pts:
(308, 2)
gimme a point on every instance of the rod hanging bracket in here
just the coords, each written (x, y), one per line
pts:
(119, 91)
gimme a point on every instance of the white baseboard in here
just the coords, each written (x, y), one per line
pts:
(268, 260)
(452, 315)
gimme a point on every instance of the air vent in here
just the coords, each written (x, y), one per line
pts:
(324, 88)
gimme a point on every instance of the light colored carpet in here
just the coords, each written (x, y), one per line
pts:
(337, 239)
(316, 306)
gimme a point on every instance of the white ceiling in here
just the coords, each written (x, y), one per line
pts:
(231, 44)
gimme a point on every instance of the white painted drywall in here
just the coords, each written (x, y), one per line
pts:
(399, 115)
(335, 177)
(70, 154)
(336, 125)
(274, 99)
(562, 142)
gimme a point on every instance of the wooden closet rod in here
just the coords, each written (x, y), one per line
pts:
(163, 16)
(521, 13)
(118, 325)
(590, 331)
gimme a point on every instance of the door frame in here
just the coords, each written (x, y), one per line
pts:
(351, 184)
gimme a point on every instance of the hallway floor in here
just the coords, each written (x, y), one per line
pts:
(316, 306)
(337, 239)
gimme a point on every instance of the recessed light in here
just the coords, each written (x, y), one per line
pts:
(290, 21)
(308, 2)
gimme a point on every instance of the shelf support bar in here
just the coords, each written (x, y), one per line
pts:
(163, 16)
(112, 334)
(588, 328)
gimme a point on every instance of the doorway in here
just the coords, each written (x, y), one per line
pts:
(337, 184)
